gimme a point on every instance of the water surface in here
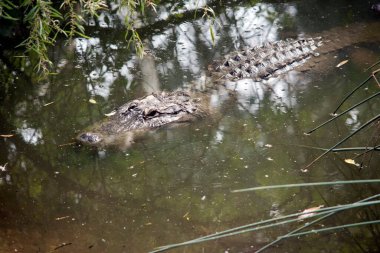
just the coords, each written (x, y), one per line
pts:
(175, 184)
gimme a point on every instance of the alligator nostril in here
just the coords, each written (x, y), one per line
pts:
(90, 138)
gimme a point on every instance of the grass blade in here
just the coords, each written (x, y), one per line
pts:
(335, 228)
(312, 223)
(338, 115)
(342, 141)
(307, 185)
(264, 224)
(373, 65)
(352, 92)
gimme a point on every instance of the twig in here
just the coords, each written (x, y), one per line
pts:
(64, 244)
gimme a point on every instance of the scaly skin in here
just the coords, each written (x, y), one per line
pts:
(265, 61)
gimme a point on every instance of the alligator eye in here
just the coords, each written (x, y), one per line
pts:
(131, 107)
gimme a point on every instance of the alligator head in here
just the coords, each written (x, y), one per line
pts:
(147, 113)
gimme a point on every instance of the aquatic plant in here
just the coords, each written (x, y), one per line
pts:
(373, 121)
(307, 218)
(38, 23)
(35, 25)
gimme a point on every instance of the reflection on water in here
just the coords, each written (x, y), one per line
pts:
(175, 184)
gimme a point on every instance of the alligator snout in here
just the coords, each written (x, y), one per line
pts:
(89, 138)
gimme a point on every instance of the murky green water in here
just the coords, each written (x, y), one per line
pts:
(175, 184)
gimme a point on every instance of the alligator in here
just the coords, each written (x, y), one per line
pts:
(257, 63)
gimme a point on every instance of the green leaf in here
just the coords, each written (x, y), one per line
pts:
(32, 13)
(7, 16)
(82, 35)
(212, 35)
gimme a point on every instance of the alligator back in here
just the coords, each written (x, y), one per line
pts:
(269, 59)
(274, 58)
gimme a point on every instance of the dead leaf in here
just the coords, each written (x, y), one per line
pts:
(92, 101)
(3, 168)
(67, 144)
(63, 245)
(351, 161)
(6, 135)
(110, 114)
(48, 103)
(340, 64)
(186, 216)
(309, 212)
(62, 218)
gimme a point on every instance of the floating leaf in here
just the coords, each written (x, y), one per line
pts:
(351, 161)
(186, 216)
(92, 101)
(110, 114)
(48, 103)
(62, 218)
(6, 135)
(309, 212)
(67, 144)
(3, 168)
(340, 64)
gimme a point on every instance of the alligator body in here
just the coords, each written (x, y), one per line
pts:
(257, 63)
